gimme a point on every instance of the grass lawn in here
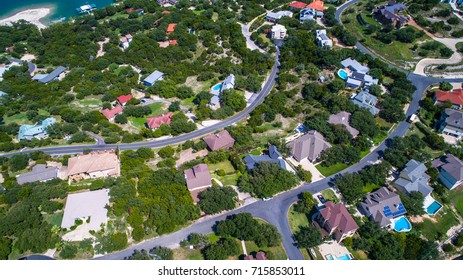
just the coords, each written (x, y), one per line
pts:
(370, 187)
(276, 253)
(456, 197)
(438, 230)
(296, 219)
(213, 238)
(328, 194)
(359, 255)
(187, 254)
(327, 171)
(18, 118)
(156, 109)
(90, 102)
(225, 165)
(54, 219)
(397, 52)
(228, 180)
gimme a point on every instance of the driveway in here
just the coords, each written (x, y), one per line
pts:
(420, 68)
(307, 165)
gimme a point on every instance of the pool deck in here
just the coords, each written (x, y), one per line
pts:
(334, 249)
(427, 202)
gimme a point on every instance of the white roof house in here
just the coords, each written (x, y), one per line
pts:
(86, 205)
(229, 82)
(271, 16)
(354, 65)
(322, 38)
(153, 78)
(278, 31)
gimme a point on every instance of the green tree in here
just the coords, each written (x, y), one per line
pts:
(68, 251)
(5, 248)
(139, 255)
(217, 199)
(413, 203)
(308, 237)
(121, 118)
(306, 203)
(166, 152)
(224, 248)
(162, 253)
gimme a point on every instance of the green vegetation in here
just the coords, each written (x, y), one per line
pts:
(457, 200)
(329, 195)
(217, 199)
(436, 229)
(333, 169)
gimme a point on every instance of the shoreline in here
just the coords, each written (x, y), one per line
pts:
(32, 15)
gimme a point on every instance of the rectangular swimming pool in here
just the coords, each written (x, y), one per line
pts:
(433, 208)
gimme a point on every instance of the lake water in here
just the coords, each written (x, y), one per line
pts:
(61, 8)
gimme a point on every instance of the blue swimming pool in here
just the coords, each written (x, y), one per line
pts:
(433, 208)
(217, 87)
(342, 74)
(345, 257)
(402, 224)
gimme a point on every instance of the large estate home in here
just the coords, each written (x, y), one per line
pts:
(366, 100)
(309, 146)
(110, 114)
(39, 173)
(221, 140)
(38, 131)
(451, 123)
(382, 206)
(455, 97)
(391, 13)
(46, 78)
(94, 165)
(414, 179)
(334, 219)
(273, 156)
(450, 170)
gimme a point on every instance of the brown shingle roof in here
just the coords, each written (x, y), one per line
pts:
(343, 118)
(93, 162)
(220, 140)
(109, 114)
(338, 217)
(310, 146)
(198, 177)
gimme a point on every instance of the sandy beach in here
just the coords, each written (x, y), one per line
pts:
(31, 15)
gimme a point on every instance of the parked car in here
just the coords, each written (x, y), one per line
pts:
(321, 198)
(267, 198)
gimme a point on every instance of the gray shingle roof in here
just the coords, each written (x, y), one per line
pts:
(53, 75)
(451, 164)
(414, 179)
(376, 202)
(354, 65)
(274, 156)
(454, 118)
(365, 100)
(310, 146)
(343, 118)
(40, 172)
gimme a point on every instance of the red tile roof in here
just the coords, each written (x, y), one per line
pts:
(124, 98)
(219, 141)
(129, 10)
(455, 96)
(166, 12)
(317, 5)
(171, 27)
(156, 121)
(173, 42)
(109, 114)
(297, 5)
(260, 256)
(338, 217)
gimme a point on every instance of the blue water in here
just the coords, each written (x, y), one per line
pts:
(329, 257)
(433, 208)
(402, 224)
(342, 74)
(60, 8)
(346, 257)
(217, 87)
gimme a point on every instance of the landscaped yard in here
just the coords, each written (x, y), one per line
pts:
(156, 109)
(445, 219)
(295, 220)
(225, 165)
(370, 187)
(399, 53)
(456, 197)
(54, 219)
(187, 254)
(275, 253)
(18, 118)
(328, 194)
(327, 171)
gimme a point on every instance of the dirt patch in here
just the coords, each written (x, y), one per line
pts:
(188, 155)
(197, 86)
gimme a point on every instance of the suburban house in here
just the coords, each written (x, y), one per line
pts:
(278, 31)
(273, 17)
(309, 146)
(86, 206)
(274, 156)
(357, 79)
(221, 140)
(123, 99)
(309, 14)
(297, 5)
(452, 123)
(39, 173)
(171, 28)
(450, 170)
(125, 41)
(156, 121)
(46, 78)
(322, 39)
(198, 179)
(260, 256)
(153, 78)
(455, 97)
(334, 219)
(94, 165)
(354, 65)
(382, 206)
(164, 2)
(413, 179)
(110, 114)
(228, 83)
(5, 68)
(365, 100)
(317, 5)
(343, 119)
(38, 131)
(390, 13)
